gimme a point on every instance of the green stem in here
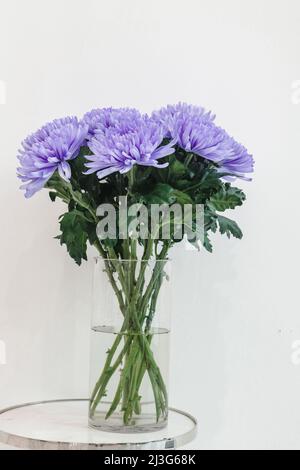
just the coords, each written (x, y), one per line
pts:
(108, 369)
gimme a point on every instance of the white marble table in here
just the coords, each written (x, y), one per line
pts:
(62, 425)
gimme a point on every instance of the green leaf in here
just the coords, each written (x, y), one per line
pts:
(181, 197)
(227, 197)
(182, 184)
(204, 185)
(207, 243)
(228, 226)
(163, 193)
(53, 196)
(210, 221)
(177, 170)
(71, 205)
(74, 235)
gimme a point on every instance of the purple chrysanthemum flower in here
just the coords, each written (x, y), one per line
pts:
(115, 150)
(48, 150)
(169, 116)
(121, 119)
(194, 131)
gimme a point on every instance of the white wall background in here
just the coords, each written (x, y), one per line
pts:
(236, 312)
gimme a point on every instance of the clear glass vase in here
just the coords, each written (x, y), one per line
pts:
(129, 364)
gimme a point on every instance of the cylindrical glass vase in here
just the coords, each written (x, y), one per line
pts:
(130, 335)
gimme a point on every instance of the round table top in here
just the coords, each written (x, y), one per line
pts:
(63, 425)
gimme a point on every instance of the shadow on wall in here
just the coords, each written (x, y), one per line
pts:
(45, 323)
(204, 305)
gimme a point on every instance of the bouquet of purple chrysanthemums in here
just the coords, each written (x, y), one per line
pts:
(177, 155)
